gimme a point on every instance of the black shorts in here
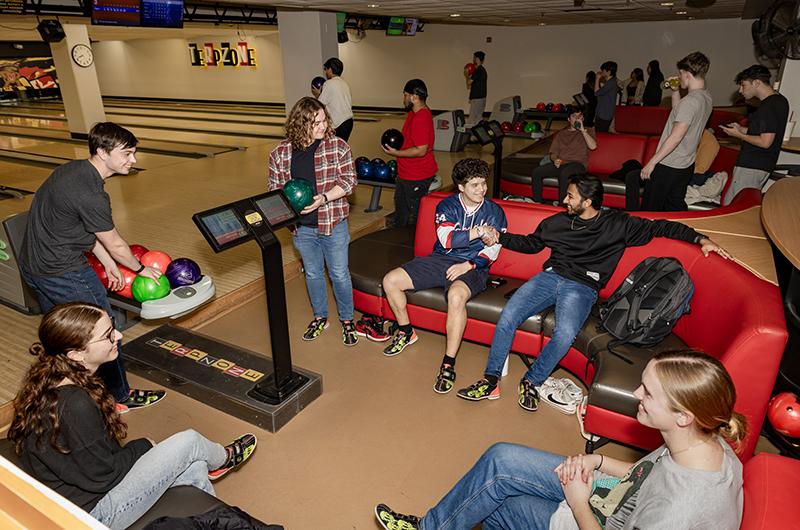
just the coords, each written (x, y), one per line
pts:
(427, 272)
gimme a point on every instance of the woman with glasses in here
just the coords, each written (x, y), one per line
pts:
(68, 433)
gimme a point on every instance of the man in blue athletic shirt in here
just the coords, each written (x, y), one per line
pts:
(459, 262)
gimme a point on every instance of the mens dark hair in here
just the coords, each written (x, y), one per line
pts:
(589, 187)
(468, 169)
(480, 55)
(416, 87)
(336, 66)
(610, 66)
(107, 135)
(757, 72)
(696, 63)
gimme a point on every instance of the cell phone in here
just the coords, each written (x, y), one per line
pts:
(578, 125)
(497, 282)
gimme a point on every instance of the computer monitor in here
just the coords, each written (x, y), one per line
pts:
(162, 13)
(487, 133)
(116, 12)
(222, 227)
(275, 209)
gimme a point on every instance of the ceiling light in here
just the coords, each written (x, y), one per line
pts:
(667, 4)
(680, 12)
(454, 15)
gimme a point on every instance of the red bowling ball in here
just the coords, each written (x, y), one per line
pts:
(784, 414)
(506, 126)
(138, 251)
(469, 68)
(129, 276)
(518, 127)
(541, 106)
(98, 268)
(156, 259)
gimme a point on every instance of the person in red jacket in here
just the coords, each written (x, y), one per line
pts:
(416, 167)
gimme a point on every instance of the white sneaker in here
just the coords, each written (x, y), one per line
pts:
(571, 388)
(581, 412)
(556, 396)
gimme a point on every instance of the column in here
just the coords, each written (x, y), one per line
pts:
(80, 89)
(308, 39)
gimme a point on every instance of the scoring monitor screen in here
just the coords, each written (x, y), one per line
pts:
(224, 226)
(275, 209)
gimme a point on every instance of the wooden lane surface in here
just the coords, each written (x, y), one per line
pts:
(145, 144)
(69, 152)
(793, 145)
(781, 217)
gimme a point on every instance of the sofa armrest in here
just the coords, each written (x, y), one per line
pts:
(771, 489)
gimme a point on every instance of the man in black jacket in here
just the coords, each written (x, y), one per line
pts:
(586, 243)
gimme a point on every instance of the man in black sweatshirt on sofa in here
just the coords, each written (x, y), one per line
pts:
(586, 243)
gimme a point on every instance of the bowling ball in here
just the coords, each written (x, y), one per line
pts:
(541, 106)
(393, 138)
(300, 193)
(156, 259)
(536, 127)
(378, 162)
(528, 127)
(98, 268)
(317, 82)
(518, 127)
(549, 107)
(392, 164)
(558, 107)
(145, 289)
(129, 276)
(784, 414)
(383, 173)
(183, 271)
(364, 169)
(506, 126)
(470, 69)
(138, 251)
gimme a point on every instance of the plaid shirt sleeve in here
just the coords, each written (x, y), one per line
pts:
(334, 163)
(280, 166)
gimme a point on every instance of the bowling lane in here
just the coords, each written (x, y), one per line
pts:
(68, 152)
(185, 149)
(22, 176)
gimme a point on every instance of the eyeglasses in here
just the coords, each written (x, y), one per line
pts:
(108, 336)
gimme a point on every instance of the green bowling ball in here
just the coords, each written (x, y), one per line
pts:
(145, 289)
(299, 192)
(529, 127)
(392, 168)
(536, 127)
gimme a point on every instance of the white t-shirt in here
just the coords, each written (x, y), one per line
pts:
(336, 98)
(693, 110)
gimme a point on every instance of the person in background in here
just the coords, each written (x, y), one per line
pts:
(653, 89)
(606, 88)
(569, 155)
(416, 166)
(669, 170)
(68, 434)
(633, 87)
(692, 482)
(591, 98)
(312, 152)
(335, 95)
(762, 138)
(477, 88)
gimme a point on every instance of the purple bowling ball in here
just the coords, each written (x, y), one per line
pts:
(183, 271)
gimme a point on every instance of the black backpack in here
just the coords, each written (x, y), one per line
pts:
(648, 303)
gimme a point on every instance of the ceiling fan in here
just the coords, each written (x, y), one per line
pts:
(776, 33)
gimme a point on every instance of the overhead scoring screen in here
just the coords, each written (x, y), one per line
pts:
(116, 12)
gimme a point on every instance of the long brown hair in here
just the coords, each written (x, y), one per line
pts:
(64, 328)
(300, 123)
(698, 383)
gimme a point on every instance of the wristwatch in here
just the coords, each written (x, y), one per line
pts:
(699, 238)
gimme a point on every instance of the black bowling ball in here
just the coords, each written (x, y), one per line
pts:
(393, 138)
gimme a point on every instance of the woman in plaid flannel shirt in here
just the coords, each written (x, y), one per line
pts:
(312, 152)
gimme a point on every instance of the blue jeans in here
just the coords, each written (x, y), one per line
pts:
(82, 285)
(510, 487)
(318, 251)
(573, 301)
(183, 459)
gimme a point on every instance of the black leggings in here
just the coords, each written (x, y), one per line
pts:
(344, 129)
